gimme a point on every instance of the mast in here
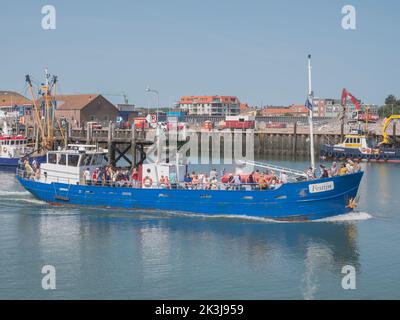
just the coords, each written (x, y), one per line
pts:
(310, 118)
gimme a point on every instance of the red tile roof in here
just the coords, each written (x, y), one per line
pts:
(11, 98)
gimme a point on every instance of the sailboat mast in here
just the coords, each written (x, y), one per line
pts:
(310, 118)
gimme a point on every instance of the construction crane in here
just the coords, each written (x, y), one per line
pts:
(122, 94)
(386, 124)
(359, 115)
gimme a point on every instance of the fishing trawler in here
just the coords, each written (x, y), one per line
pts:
(13, 147)
(360, 145)
(63, 181)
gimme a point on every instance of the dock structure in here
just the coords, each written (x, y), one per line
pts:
(131, 144)
(118, 142)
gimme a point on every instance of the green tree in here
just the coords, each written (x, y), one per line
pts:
(392, 106)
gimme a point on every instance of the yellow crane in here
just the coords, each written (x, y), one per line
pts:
(386, 124)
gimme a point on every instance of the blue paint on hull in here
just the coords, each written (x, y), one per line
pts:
(13, 162)
(290, 202)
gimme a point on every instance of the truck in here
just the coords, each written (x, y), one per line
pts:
(239, 122)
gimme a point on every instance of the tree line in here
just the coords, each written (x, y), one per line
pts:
(392, 106)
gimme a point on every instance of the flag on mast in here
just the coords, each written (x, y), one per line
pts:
(309, 103)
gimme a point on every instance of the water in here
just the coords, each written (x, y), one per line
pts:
(101, 254)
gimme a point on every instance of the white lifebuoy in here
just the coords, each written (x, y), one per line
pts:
(147, 182)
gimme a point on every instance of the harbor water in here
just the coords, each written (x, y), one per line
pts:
(111, 254)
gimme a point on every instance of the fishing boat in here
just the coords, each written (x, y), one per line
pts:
(13, 147)
(360, 145)
(63, 181)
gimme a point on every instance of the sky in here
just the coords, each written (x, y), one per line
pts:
(255, 50)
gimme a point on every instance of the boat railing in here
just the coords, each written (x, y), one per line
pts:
(36, 176)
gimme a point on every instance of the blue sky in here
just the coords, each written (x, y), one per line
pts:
(255, 50)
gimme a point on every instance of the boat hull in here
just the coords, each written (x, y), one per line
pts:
(385, 155)
(300, 201)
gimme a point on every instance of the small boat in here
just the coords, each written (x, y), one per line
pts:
(360, 145)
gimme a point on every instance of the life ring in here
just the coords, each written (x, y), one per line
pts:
(147, 182)
(330, 154)
(368, 156)
(385, 157)
(377, 156)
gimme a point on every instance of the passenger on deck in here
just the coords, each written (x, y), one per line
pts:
(87, 177)
(323, 172)
(188, 181)
(343, 170)
(250, 178)
(213, 174)
(195, 181)
(349, 166)
(357, 166)
(334, 170)
(28, 170)
(135, 177)
(172, 180)
(310, 174)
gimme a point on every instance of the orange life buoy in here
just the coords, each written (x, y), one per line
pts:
(147, 182)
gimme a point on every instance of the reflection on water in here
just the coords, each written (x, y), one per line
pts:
(149, 254)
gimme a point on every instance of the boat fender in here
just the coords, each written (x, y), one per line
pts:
(147, 182)
(385, 157)
(330, 154)
(343, 156)
(4, 149)
(377, 156)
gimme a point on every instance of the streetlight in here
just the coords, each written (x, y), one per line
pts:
(158, 98)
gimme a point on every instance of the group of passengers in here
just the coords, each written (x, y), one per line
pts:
(30, 170)
(109, 176)
(336, 169)
(254, 180)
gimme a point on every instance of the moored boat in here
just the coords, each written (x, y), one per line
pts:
(359, 145)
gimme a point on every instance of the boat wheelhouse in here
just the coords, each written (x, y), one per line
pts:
(68, 165)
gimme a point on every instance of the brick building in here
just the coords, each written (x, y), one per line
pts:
(81, 108)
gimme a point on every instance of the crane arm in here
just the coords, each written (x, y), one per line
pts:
(345, 95)
(386, 124)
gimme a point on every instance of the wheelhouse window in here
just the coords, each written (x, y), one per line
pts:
(73, 160)
(52, 158)
(62, 159)
(86, 160)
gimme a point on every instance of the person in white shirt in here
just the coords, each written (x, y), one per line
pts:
(87, 176)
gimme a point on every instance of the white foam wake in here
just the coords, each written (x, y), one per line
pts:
(352, 216)
(14, 193)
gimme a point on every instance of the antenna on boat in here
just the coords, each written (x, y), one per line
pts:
(310, 118)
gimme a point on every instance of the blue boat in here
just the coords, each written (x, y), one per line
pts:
(62, 183)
